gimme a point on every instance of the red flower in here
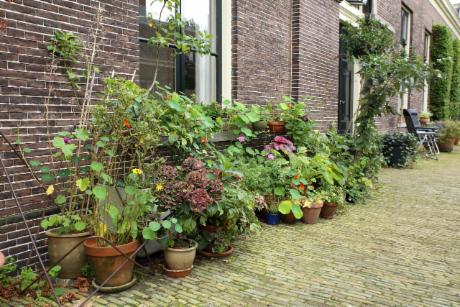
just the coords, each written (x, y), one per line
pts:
(126, 124)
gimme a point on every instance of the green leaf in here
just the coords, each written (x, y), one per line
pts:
(80, 226)
(64, 173)
(155, 226)
(178, 228)
(47, 178)
(149, 234)
(27, 150)
(45, 169)
(253, 117)
(166, 224)
(82, 134)
(113, 213)
(35, 163)
(45, 224)
(285, 207)
(58, 142)
(279, 191)
(297, 211)
(294, 194)
(247, 131)
(101, 144)
(60, 200)
(106, 178)
(130, 190)
(96, 166)
(100, 192)
(82, 184)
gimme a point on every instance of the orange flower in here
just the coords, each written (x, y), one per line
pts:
(126, 123)
(302, 187)
(204, 140)
(297, 177)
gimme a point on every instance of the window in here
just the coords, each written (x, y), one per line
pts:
(364, 6)
(192, 74)
(406, 20)
(426, 57)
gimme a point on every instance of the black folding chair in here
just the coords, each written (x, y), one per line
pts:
(425, 135)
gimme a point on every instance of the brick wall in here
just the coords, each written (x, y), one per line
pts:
(24, 86)
(424, 16)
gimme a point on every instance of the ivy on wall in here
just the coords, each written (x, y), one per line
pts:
(454, 107)
(441, 59)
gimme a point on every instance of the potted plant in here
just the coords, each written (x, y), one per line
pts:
(457, 137)
(264, 115)
(399, 149)
(273, 216)
(334, 198)
(275, 123)
(311, 208)
(425, 118)
(290, 210)
(446, 135)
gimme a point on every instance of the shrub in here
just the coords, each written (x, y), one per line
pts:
(454, 107)
(441, 57)
(399, 149)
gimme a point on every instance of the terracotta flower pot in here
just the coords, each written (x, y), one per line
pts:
(59, 245)
(328, 210)
(276, 126)
(105, 260)
(424, 121)
(311, 215)
(288, 218)
(224, 254)
(446, 146)
(2, 259)
(178, 259)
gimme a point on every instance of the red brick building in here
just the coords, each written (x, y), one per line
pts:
(264, 49)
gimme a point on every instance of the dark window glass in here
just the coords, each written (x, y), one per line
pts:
(426, 47)
(404, 27)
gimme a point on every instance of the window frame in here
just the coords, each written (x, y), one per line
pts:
(180, 58)
(406, 42)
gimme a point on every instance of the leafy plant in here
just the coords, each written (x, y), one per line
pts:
(399, 149)
(291, 206)
(454, 105)
(425, 115)
(449, 130)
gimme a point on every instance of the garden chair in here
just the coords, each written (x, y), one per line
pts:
(425, 135)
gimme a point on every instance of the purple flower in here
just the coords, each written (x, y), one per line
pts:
(271, 157)
(241, 139)
(67, 140)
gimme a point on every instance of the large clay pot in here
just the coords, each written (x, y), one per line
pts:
(311, 215)
(456, 140)
(59, 245)
(424, 121)
(276, 126)
(105, 260)
(446, 146)
(180, 258)
(328, 210)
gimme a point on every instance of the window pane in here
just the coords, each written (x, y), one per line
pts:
(202, 13)
(166, 66)
(198, 77)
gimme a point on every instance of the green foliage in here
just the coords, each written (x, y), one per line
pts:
(6, 271)
(449, 130)
(454, 106)
(441, 58)
(64, 224)
(399, 149)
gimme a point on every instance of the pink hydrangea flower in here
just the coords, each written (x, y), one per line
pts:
(241, 139)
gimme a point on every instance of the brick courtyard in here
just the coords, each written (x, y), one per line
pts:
(402, 248)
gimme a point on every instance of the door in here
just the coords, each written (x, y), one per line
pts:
(345, 107)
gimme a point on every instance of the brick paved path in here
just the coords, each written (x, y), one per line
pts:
(401, 249)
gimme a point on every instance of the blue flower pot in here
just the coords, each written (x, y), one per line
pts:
(273, 218)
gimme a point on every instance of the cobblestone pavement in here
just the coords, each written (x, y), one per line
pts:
(400, 249)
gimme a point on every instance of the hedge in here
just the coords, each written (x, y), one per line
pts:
(454, 107)
(441, 57)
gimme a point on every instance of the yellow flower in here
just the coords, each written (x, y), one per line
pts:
(50, 190)
(159, 187)
(137, 171)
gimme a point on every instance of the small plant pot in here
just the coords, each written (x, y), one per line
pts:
(177, 273)
(424, 121)
(276, 127)
(224, 254)
(59, 245)
(328, 210)
(178, 259)
(311, 215)
(456, 140)
(273, 218)
(105, 260)
(288, 218)
(260, 125)
(446, 146)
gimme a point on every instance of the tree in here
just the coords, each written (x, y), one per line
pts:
(440, 84)
(454, 107)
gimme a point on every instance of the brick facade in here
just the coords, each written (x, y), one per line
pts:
(280, 47)
(24, 86)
